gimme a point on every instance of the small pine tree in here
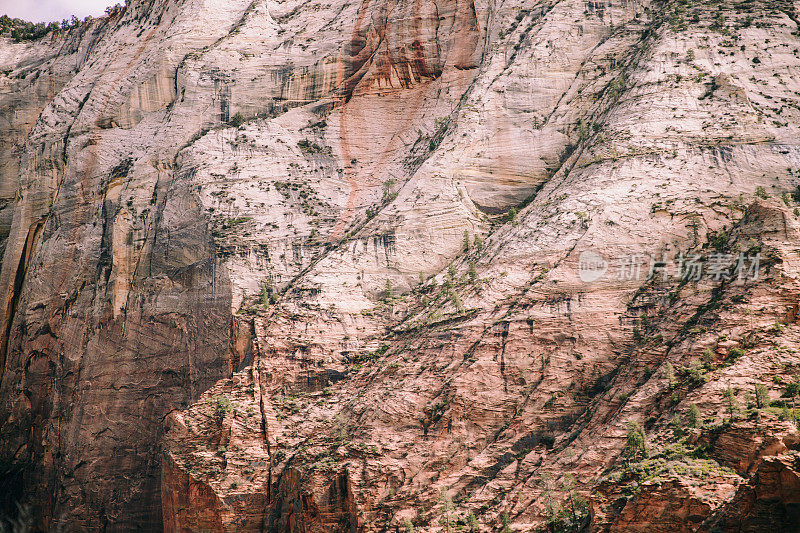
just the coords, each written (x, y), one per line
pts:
(669, 373)
(408, 526)
(472, 273)
(477, 243)
(236, 120)
(636, 444)
(447, 510)
(472, 523)
(389, 291)
(693, 416)
(575, 509)
(547, 491)
(264, 296)
(506, 523)
(730, 400)
(762, 396)
(677, 426)
(457, 302)
(466, 241)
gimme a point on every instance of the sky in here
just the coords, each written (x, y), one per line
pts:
(53, 10)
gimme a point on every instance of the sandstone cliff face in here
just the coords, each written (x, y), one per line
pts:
(292, 266)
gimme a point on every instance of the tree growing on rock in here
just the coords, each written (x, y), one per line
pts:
(389, 297)
(693, 416)
(222, 406)
(636, 443)
(447, 511)
(731, 403)
(762, 396)
(472, 523)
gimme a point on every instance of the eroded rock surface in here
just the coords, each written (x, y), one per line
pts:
(314, 266)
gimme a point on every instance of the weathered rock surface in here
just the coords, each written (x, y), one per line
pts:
(314, 266)
(768, 501)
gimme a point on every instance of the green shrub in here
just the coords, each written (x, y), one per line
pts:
(222, 406)
(696, 374)
(472, 523)
(791, 389)
(735, 353)
(311, 147)
(236, 120)
(382, 350)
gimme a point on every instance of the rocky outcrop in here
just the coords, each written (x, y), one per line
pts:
(294, 266)
(233, 424)
(690, 495)
(768, 501)
(664, 506)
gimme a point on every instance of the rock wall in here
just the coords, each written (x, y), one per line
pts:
(116, 310)
(505, 371)
(292, 266)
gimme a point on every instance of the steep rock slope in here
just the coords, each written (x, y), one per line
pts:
(112, 318)
(333, 249)
(487, 383)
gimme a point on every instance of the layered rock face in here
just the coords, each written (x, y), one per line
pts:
(321, 267)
